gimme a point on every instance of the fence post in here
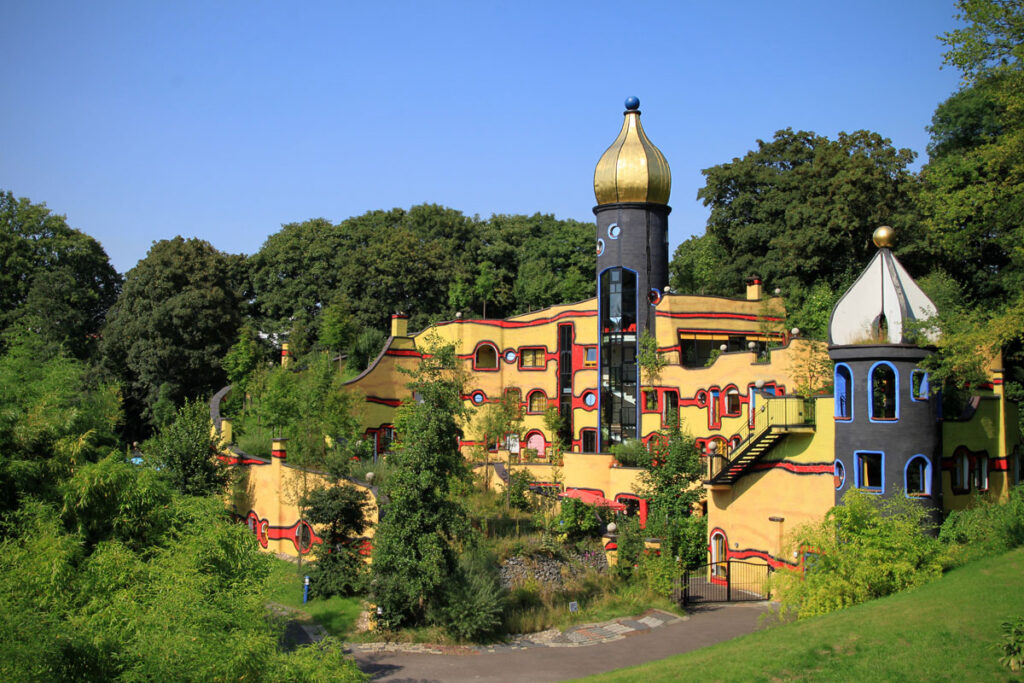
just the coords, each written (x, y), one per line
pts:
(728, 580)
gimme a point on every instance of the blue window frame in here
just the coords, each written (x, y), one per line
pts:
(843, 383)
(917, 477)
(883, 393)
(869, 471)
(840, 474)
(919, 388)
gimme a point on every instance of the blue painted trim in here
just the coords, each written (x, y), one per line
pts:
(849, 388)
(636, 349)
(925, 387)
(871, 394)
(857, 469)
(838, 464)
(927, 477)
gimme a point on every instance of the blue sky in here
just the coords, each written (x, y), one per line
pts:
(223, 120)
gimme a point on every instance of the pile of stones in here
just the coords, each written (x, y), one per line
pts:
(548, 570)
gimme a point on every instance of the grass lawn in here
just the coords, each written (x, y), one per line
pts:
(946, 630)
(337, 615)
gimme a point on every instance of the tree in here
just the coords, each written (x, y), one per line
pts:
(494, 424)
(243, 359)
(54, 418)
(973, 191)
(185, 451)
(694, 265)
(422, 525)
(671, 483)
(171, 327)
(800, 209)
(972, 199)
(53, 278)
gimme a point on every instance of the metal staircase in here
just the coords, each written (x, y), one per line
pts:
(773, 420)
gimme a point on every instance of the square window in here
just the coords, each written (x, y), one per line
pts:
(589, 440)
(870, 471)
(590, 356)
(531, 358)
(650, 400)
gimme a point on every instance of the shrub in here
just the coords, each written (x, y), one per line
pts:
(1013, 644)
(575, 521)
(987, 528)
(863, 549)
(631, 453)
(473, 602)
(519, 486)
(630, 544)
(659, 572)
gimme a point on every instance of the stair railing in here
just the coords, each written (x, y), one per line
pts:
(779, 411)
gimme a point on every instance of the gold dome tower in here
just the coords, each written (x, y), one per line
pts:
(632, 169)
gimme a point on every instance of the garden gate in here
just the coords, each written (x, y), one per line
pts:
(729, 581)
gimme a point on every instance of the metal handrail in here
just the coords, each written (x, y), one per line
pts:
(778, 411)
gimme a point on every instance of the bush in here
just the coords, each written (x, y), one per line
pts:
(519, 487)
(340, 571)
(1013, 644)
(630, 544)
(863, 549)
(575, 521)
(659, 572)
(631, 453)
(473, 602)
(987, 528)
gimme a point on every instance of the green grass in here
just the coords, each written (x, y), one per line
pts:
(946, 630)
(338, 615)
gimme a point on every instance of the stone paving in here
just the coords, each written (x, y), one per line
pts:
(581, 635)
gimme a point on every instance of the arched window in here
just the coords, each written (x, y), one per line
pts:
(537, 402)
(884, 392)
(919, 385)
(486, 358)
(981, 472)
(960, 477)
(732, 402)
(844, 392)
(917, 476)
(719, 555)
(840, 474)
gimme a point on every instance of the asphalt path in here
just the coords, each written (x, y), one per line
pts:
(705, 626)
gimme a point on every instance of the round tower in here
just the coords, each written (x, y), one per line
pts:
(886, 431)
(632, 184)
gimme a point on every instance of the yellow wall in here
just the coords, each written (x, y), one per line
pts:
(271, 492)
(797, 488)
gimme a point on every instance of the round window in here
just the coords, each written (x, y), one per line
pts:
(600, 246)
(510, 356)
(590, 399)
(840, 474)
(614, 231)
(478, 397)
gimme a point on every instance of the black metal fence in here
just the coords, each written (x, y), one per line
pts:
(729, 581)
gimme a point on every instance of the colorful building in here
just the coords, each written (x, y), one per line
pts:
(773, 459)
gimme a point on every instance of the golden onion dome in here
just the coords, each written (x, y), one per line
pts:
(632, 169)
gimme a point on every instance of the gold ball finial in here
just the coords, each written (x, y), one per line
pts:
(884, 237)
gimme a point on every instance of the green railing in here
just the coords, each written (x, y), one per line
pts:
(781, 412)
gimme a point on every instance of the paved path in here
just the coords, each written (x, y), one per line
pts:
(580, 651)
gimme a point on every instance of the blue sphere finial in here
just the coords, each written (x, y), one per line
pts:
(632, 103)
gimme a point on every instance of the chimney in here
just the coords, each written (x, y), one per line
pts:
(277, 448)
(754, 288)
(399, 325)
(286, 355)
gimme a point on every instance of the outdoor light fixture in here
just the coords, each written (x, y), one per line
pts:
(795, 331)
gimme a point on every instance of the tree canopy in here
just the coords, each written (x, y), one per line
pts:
(53, 278)
(167, 335)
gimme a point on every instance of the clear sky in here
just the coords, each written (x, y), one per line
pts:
(223, 120)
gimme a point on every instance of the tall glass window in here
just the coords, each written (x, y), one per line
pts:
(618, 356)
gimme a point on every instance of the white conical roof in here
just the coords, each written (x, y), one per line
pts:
(877, 308)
